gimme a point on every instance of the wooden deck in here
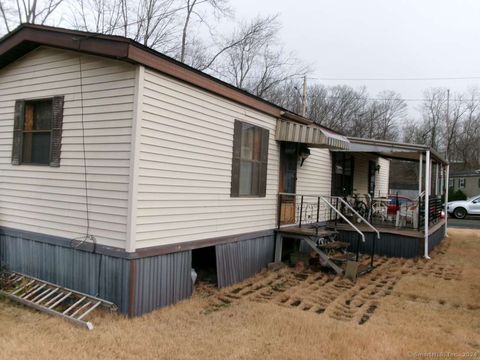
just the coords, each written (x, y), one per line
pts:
(406, 243)
(390, 229)
(309, 230)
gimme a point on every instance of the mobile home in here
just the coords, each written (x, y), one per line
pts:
(122, 168)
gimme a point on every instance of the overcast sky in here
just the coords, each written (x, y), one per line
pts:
(380, 39)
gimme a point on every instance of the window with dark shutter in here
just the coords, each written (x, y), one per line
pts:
(249, 161)
(37, 132)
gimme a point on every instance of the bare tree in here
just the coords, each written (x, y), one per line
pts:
(245, 47)
(466, 140)
(340, 108)
(27, 11)
(434, 116)
(219, 7)
(150, 22)
(100, 16)
(387, 111)
(348, 110)
(155, 23)
(252, 60)
(459, 137)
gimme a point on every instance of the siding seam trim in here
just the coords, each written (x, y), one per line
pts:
(135, 160)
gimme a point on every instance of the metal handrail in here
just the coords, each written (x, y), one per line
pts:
(343, 217)
(331, 207)
(359, 216)
(421, 195)
(338, 212)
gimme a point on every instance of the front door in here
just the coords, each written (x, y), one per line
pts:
(288, 181)
(342, 174)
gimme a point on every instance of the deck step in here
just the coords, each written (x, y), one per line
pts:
(341, 257)
(50, 298)
(334, 245)
(314, 232)
(324, 257)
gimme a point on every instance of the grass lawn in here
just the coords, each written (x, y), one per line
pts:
(401, 308)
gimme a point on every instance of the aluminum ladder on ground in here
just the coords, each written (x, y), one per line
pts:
(50, 298)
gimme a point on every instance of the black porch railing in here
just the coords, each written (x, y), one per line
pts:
(312, 210)
(434, 210)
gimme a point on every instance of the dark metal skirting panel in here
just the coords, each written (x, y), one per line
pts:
(94, 274)
(240, 260)
(161, 280)
(436, 238)
(389, 244)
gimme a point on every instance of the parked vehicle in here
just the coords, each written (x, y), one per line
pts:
(462, 208)
(395, 201)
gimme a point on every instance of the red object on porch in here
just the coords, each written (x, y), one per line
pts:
(395, 201)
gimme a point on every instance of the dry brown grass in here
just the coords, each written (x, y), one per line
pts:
(403, 306)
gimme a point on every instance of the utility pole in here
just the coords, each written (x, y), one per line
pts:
(447, 119)
(304, 98)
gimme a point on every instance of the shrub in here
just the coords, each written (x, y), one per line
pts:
(456, 195)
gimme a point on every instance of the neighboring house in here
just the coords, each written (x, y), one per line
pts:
(123, 169)
(468, 181)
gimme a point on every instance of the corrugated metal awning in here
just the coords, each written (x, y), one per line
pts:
(312, 135)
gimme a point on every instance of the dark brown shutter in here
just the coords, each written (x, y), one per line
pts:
(56, 139)
(262, 188)
(18, 132)
(237, 146)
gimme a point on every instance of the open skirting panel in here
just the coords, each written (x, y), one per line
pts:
(137, 285)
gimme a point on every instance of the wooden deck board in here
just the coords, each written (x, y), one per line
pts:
(382, 229)
(308, 231)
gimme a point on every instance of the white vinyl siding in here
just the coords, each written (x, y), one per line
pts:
(360, 173)
(51, 200)
(382, 181)
(185, 166)
(360, 177)
(314, 177)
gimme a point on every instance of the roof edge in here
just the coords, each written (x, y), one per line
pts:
(399, 145)
(126, 49)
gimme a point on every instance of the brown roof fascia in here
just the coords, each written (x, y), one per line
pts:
(200, 80)
(128, 50)
(66, 40)
(296, 118)
(125, 49)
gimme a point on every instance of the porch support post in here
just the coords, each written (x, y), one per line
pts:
(278, 247)
(420, 170)
(442, 179)
(437, 179)
(447, 181)
(427, 198)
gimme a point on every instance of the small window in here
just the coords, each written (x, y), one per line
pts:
(37, 132)
(461, 182)
(249, 163)
(450, 183)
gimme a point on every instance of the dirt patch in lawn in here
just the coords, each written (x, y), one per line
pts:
(341, 299)
(401, 308)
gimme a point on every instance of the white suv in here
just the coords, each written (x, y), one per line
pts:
(462, 208)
